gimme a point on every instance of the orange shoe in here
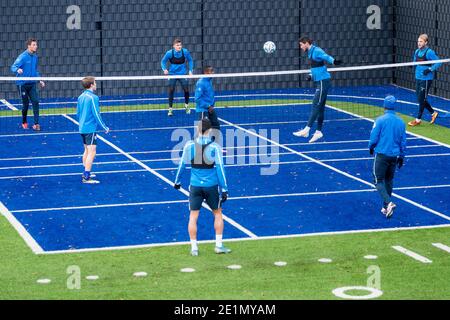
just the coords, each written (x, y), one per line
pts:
(25, 125)
(434, 117)
(414, 123)
(36, 127)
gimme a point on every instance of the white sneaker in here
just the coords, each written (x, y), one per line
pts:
(89, 181)
(317, 135)
(390, 209)
(170, 113)
(304, 133)
(188, 110)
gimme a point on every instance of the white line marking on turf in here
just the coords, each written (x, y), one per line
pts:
(187, 270)
(412, 254)
(9, 105)
(92, 278)
(442, 247)
(234, 267)
(319, 234)
(280, 263)
(226, 218)
(325, 260)
(140, 274)
(336, 170)
(29, 240)
(370, 257)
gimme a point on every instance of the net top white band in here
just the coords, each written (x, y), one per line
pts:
(227, 75)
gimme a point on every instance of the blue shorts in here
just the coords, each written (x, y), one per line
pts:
(89, 139)
(184, 83)
(209, 194)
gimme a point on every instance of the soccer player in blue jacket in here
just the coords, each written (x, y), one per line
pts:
(388, 142)
(88, 113)
(424, 78)
(207, 177)
(322, 81)
(178, 56)
(26, 65)
(205, 99)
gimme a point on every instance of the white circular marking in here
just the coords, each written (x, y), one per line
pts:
(140, 274)
(373, 293)
(370, 257)
(187, 270)
(325, 260)
(234, 267)
(92, 278)
(44, 281)
(280, 263)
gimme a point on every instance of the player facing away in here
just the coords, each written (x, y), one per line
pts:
(178, 56)
(424, 78)
(207, 177)
(322, 81)
(88, 113)
(388, 142)
(26, 65)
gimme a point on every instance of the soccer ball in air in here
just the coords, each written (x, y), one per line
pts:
(269, 47)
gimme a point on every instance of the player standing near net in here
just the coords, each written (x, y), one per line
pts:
(205, 99)
(424, 78)
(207, 175)
(26, 65)
(322, 81)
(388, 142)
(177, 57)
(88, 113)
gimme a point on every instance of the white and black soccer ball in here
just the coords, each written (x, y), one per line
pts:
(269, 47)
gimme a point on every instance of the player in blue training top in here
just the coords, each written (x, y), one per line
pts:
(205, 99)
(207, 176)
(26, 65)
(322, 81)
(424, 78)
(178, 56)
(388, 142)
(88, 113)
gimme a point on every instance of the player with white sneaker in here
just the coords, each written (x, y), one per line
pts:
(207, 176)
(388, 143)
(322, 80)
(88, 114)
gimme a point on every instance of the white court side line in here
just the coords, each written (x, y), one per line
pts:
(442, 247)
(337, 170)
(9, 105)
(29, 240)
(412, 254)
(226, 218)
(292, 236)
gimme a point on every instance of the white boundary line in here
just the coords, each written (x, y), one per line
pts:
(29, 240)
(266, 196)
(318, 234)
(337, 170)
(412, 254)
(179, 150)
(442, 247)
(227, 166)
(226, 218)
(8, 105)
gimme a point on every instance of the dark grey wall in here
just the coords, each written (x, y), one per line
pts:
(226, 34)
(414, 18)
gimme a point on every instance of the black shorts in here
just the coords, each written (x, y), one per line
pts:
(89, 139)
(209, 194)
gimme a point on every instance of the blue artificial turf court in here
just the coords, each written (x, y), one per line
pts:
(317, 188)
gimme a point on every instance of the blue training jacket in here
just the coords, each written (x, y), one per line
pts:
(430, 55)
(177, 69)
(204, 177)
(88, 113)
(204, 94)
(29, 64)
(388, 135)
(317, 54)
